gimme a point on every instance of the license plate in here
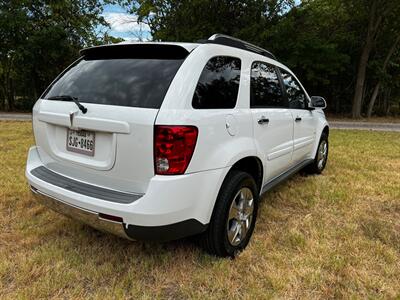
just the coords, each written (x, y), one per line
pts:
(81, 141)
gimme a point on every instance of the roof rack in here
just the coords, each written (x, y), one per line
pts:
(222, 39)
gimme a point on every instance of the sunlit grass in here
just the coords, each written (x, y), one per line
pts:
(335, 235)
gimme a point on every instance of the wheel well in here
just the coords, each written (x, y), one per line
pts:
(253, 166)
(326, 130)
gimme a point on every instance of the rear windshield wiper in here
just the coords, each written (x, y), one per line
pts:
(70, 98)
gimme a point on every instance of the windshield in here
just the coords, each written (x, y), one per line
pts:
(134, 82)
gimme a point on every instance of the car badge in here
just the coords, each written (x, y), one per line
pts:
(71, 118)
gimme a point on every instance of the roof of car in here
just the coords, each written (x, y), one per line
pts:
(218, 39)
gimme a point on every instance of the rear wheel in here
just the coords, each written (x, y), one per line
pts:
(321, 156)
(234, 216)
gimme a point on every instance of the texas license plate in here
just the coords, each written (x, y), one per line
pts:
(81, 141)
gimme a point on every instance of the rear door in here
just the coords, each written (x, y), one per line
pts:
(273, 122)
(304, 124)
(110, 145)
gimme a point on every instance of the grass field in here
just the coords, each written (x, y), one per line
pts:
(330, 236)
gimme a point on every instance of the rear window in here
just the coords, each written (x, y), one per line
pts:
(218, 85)
(118, 80)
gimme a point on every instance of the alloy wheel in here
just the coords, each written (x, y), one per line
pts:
(240, 216)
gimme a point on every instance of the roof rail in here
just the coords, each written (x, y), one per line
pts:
(222, 39)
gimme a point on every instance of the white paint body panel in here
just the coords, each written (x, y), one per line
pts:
(304, 134)
(274, 140)
(123, 159)
(125, 168)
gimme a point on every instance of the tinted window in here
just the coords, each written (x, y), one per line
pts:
(124, 82)
(265, 90)
(218, 85)
(296, 96)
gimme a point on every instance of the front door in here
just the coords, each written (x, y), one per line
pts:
(304, 127)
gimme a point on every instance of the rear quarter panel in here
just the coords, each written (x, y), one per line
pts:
(216, 147)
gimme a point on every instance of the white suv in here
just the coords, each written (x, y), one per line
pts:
(158, 141)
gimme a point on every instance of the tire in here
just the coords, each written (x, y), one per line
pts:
(319, 163)
(233, 200)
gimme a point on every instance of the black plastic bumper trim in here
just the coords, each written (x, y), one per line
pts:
(83, 188)
(167, 232)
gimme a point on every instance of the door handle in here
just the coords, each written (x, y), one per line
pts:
(263, 120)
(298, 119)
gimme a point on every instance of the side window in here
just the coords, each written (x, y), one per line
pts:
(296, 96)
(265, 89)
(218, 85)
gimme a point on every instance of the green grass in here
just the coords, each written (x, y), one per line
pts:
(330, 236)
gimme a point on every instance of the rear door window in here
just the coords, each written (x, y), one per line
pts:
(265, 88)
(218, 85)
(118, 80)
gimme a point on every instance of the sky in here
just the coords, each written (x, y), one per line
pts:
(124, 25)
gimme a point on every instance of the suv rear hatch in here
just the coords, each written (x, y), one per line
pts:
(111, 145)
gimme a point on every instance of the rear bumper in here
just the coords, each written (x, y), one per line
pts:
(86, 216)
(172, 207)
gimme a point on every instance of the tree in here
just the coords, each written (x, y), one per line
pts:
(375, 13)
(345, 50)
(13, 32)
(312, 40)
(198, 19)
(39, 39)
(330, 44)
(383, 71)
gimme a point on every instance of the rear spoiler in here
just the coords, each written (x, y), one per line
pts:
(138, 50)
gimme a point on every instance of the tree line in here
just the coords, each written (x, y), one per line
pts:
(345, 50)
(38, 39)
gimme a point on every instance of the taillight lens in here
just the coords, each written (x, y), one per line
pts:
(173, 148)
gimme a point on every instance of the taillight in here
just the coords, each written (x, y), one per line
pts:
(173, 148)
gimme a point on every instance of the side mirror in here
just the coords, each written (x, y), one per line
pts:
(317, 102)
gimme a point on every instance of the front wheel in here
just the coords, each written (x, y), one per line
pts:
(321, 157)
(234, 216)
